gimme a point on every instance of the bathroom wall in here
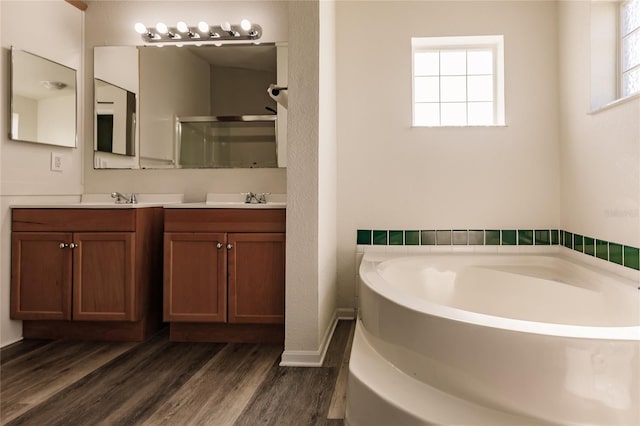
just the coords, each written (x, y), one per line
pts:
(111, 23)
(393, 176)
(25, 167)
(599, 150)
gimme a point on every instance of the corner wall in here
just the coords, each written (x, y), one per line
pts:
(599, 151)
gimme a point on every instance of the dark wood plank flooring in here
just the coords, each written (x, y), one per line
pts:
(166, 383)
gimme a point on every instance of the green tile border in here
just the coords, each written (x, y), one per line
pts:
(613, 252)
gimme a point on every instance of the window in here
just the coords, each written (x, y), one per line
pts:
(458, 81)
(630, 47)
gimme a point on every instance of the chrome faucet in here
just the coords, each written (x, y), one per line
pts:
(259, 198)
(123, 199)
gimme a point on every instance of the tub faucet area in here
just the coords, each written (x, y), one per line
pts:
(123, 199)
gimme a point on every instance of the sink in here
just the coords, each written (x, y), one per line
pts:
(142, 199)
(236, 201)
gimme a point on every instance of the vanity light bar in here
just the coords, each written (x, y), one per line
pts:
(183, 33)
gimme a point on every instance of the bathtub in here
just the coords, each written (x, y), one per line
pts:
(466, 339)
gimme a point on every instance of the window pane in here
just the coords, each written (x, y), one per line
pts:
(427, 89)
(480, 88)
(453, 89)
(426, 63)
(631, 51)
(630, 16)
(453, 62)
(479, 62)
(480, 113)
(426, 114)
(454, 114)
(631, 82)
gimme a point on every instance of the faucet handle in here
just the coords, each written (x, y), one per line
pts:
(262, 197)
(133, 199)
(248, 196)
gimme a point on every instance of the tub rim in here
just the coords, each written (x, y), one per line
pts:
(368, 275)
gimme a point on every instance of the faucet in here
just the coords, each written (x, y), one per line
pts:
(259, 198)
(123, 199)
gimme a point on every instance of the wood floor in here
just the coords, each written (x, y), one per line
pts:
(164, 383)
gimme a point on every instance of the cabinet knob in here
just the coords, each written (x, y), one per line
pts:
(74, 245)
(219, 245)
(63, 245)
(229, 246)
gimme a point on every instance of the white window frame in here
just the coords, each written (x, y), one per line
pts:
(494, 43)
(621, 37)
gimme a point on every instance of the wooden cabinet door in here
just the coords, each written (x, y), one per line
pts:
(256, 278)
(103, 276)
(195, 277)
(41, 276)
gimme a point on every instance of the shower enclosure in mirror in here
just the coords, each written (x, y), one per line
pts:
(43, 100)
(235, 142)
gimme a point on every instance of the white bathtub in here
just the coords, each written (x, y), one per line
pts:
(493, 339)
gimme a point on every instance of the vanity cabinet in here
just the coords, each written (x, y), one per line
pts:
(224, 274)
(86, 273)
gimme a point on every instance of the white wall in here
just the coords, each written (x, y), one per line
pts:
(600, 152)
(25, 167)
(111, 23)
(393, 176)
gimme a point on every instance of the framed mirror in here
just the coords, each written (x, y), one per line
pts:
(43, 100)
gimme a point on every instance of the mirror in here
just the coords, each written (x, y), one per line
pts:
(43, 100)
(212, 83)
(115, 119)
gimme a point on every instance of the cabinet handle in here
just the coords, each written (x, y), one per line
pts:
(219, 245)
(63, 245)
(229, 246)
(74, 245)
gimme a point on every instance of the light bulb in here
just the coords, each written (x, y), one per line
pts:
(162, 28)
(245, 24)
(226, 26)
(140, 28)
(203, 26)
(182, 27)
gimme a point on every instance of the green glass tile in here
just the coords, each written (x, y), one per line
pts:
(632, 257)
(589, 247)
(460, 237)
(568, 239)
(380, 238)
(396, 238)
(443, 238)
(525, 237)
(602, 249)
(555, 237)
(578, 243)
(428, 238)
(364, 236)
(542, 237)
(508, 237)
(411, 238)
(476, 237)
(492, 237)
(615, 253)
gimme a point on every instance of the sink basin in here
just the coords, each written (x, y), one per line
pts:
(236, 201)
(142, 199)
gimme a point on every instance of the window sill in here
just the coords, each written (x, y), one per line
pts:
(615, 103)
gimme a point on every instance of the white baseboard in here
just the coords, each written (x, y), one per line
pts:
(315, 358)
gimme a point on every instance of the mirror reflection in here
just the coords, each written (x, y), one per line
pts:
(208, 82)
(43, 100)
(115, 119)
